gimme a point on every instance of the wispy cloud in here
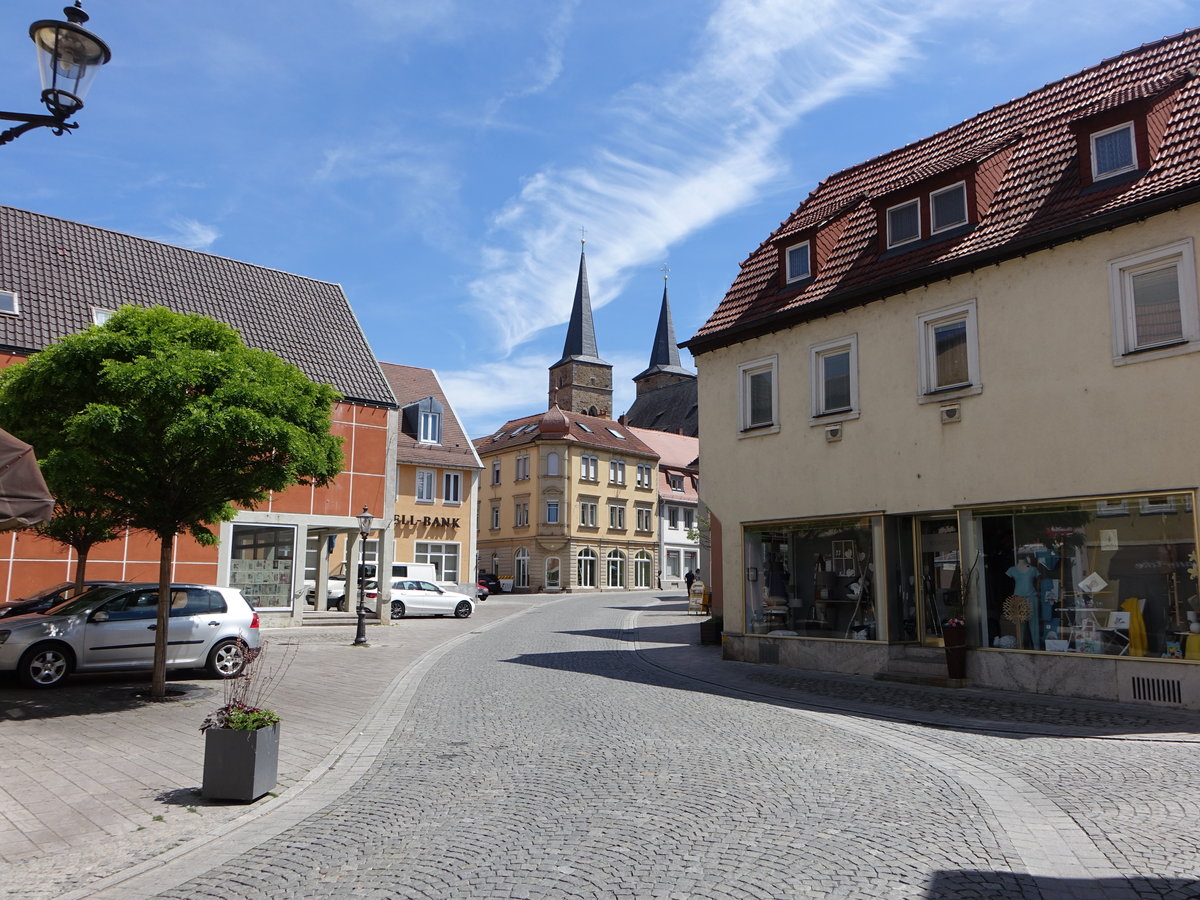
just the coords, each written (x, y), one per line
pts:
(545, 70)
(192, 234)
(683, 152)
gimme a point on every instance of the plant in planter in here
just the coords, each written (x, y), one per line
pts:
(241, 738)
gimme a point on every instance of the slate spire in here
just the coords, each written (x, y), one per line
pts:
(580, 344)
(664, 355)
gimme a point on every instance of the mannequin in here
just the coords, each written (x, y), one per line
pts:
(1025, 576)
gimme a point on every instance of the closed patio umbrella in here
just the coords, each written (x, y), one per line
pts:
(24, 498)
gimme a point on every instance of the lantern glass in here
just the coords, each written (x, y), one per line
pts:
(364, 522)
(68, 59)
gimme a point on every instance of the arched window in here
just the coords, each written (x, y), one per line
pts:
(587, 568)
(553, 576)
(641, 569)
(616, 569)
(495, 563)
(552, 465)
(521, 568)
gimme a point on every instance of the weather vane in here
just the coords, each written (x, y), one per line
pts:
(582, 235)
(666, 270)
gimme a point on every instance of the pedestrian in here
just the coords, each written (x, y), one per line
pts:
(689, 578)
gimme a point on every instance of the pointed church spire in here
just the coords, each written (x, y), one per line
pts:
(664, 355)
(581, 333)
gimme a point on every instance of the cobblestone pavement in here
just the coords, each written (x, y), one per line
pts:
(585, 750)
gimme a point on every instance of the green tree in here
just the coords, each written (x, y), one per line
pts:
(79, 525)
(171, 420)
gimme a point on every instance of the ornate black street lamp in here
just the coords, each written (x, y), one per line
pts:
(69, 56)
(364, 528)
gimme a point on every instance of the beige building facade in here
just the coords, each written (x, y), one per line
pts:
(911, 430)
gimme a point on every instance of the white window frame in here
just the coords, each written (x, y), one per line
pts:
(522, 468)
(887, 216)
(787, 259)
(452, 488)
(645, 475)
(521, 568)
(437, 553)
(614, 565)
(427, 478)
(927, 357)
(1182, 255)
(495, 471)
(817, 354)
(616, 516)
(100, 315)
(934, 227)
(746, 371)
(13, 308)
(1124, 126)
(552, 509)
(645, 518)
(588, 510)
(553, 465)
(589, 467)
(520, 513)
(689, 518)
(616, 471)
(431, 428)
(585, 561)
(495, 516)
(643, 566)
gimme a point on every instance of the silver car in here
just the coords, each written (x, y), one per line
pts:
(112, 628)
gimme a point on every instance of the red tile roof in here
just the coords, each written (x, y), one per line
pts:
(587, 431)
(1028, 175)
(411, 384)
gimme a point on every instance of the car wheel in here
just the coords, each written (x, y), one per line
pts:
(397, 609)
(463, 609)
(227, 659)
(45, 666)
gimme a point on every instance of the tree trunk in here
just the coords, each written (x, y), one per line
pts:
(80, 567)
(158, 682)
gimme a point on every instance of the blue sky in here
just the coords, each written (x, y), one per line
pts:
(438, 158)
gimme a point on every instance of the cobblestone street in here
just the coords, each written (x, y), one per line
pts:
(567, 752)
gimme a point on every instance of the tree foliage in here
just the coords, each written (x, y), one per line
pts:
(171, 422)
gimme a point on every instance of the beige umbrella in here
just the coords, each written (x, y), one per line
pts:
(24, 498)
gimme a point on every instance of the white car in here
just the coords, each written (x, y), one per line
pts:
(424, 598)
(112, 628)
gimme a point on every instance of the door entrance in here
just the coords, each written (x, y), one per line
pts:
(939, 578)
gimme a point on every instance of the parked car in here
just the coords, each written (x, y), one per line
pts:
(491, 582)
(46, 598)
(335, 591)
(112, 628)
(424, 598)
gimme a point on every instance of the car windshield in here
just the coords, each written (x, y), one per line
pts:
(44, 592)
(426, 586)
(85, 601)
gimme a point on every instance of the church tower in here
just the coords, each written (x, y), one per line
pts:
(581, 381)
(664, 368)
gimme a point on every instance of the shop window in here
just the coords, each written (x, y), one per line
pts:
(814, 578)
(949, 345)
(553, 573)
(759, 400)
(1154, 305)
(673, 564)
(586, 575)
(642, 569)
(616, 569)
(260, 564)
(521, 568)
(1072, 577)
(443, 557)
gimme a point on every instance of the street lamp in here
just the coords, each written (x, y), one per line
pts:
(69, 56)
(364, 528)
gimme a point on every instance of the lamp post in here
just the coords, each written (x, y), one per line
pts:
(69, 56)
(364, 528)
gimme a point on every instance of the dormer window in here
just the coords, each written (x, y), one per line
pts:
(903, 223)
(101, 315)
(8, 303)
(1113, 151)
(422, 420)
(948, 207)
(799, 262)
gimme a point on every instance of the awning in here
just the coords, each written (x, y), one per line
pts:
(24, 498)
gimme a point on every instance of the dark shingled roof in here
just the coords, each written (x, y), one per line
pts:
(580, 344)
(61, 270)
(411, 384)
(672, 408)
(1025, 152)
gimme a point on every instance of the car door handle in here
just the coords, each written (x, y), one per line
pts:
(214, 623)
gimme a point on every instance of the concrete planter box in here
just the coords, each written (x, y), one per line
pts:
(240, 765)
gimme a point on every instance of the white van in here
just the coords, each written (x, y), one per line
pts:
(336, 589)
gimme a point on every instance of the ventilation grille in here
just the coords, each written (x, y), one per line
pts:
(1158, 690)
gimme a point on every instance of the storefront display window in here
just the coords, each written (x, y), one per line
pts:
(260, 564)
(814, 579)
(1111, 576)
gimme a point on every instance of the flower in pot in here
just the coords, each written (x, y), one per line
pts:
(241, 737)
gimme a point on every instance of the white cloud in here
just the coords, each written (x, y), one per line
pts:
(683, 152)
(191, 234)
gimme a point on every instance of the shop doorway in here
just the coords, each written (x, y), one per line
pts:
(939, 576)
